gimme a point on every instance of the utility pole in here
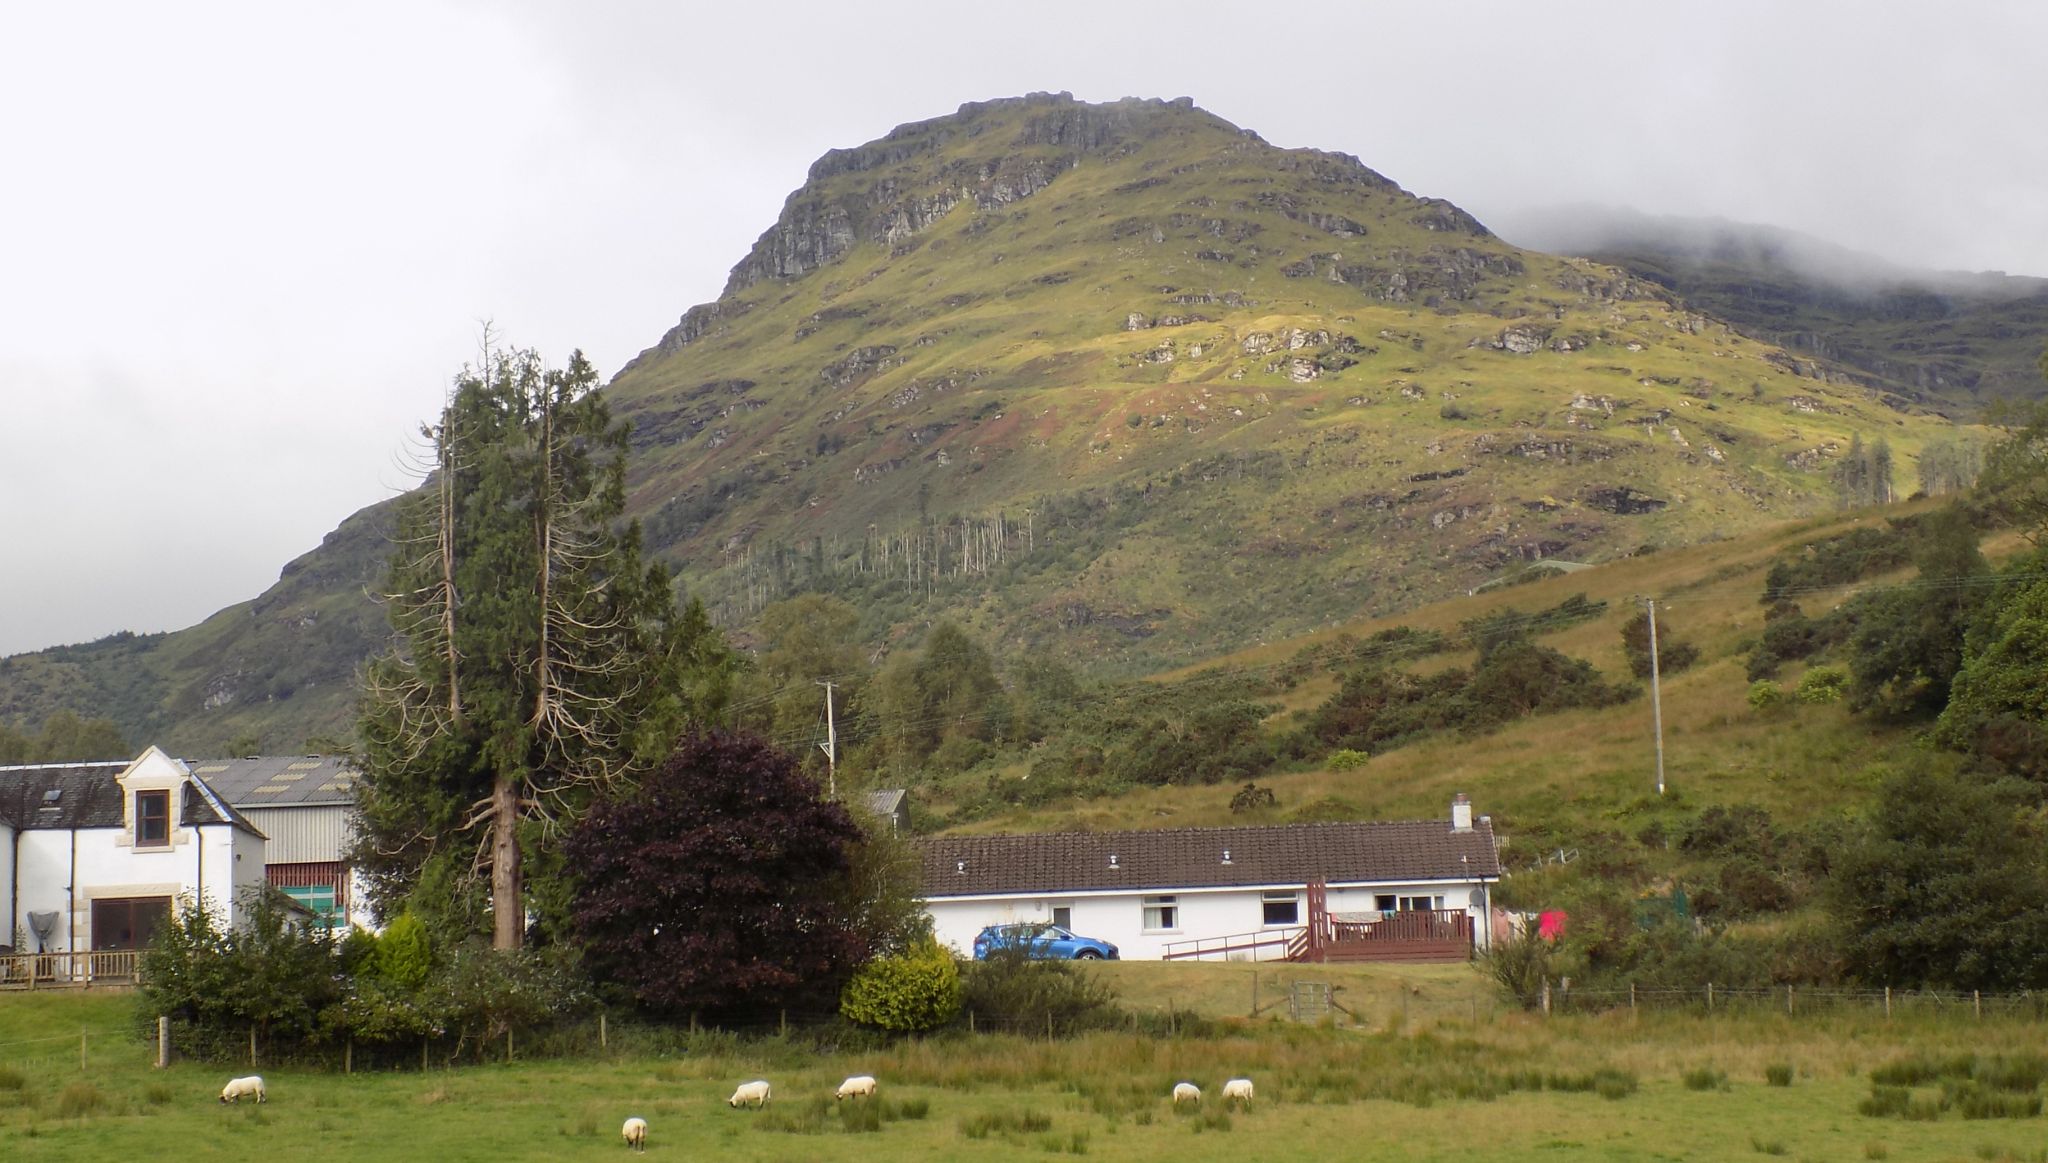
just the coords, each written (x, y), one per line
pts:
(1656, 694)
(831, 749)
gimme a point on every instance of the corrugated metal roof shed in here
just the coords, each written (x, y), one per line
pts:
(280, 780)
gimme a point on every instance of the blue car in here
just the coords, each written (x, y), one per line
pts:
(1039, 940)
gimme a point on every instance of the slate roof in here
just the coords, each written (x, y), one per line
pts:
(279, 780)
(1190, 858)
(89, 797)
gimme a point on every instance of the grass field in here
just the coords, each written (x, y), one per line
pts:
(1455, 1076)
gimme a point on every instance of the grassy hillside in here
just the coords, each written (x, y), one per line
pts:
(1578, 780)
(1123, 381)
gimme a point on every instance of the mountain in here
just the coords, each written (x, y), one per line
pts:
(1120, 380)
(1950, 340)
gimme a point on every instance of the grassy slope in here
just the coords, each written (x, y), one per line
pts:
(1581, 776)
(1105, 1092)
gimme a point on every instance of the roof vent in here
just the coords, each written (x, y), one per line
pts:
(1226, 856)
(51, 796)
(960, 867)
(1112, 860)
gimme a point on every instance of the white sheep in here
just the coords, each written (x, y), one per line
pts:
(1186, 1092)
(755, 1092)
(858, 1086)
(1239, 1090)
(635, 1131)
(241, 1088)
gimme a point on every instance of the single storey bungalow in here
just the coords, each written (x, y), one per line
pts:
(1418, 888)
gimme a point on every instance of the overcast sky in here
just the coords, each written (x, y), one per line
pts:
(243, 248)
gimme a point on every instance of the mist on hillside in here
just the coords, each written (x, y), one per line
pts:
(1596, 230)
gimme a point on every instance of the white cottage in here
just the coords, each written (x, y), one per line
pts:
(94, 856)
(1418, 889)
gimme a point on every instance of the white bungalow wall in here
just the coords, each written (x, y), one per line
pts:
(1119, 918)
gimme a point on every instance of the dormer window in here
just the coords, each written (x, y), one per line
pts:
(152, 819)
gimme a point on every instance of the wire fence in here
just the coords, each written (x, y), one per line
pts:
(1797, 1001)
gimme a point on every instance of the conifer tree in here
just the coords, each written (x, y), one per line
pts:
(538, 660)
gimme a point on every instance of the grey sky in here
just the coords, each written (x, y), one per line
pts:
(244, 246)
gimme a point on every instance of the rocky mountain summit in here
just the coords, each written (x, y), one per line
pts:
(1124, 382)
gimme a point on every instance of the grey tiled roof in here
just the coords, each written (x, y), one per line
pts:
(89, 796)
(1414, 850)
(279, 780)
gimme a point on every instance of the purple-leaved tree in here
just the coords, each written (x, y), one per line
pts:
(719, 885)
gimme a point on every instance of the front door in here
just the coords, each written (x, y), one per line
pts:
(127, 922)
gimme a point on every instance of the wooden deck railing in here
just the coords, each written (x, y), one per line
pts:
(69, 970)
(1417, 925)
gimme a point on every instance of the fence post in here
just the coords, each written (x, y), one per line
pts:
(423, 1055)
(508, 1043)
(348, 1055)
(601, 1042)
(1887, 1002)
(163, 1041)
(252, 1047)
(1631, 997)
(1546, 997)
(1977, 1003)
(1255, 994)
(970, 1021)
(81, 1050)
(1788, 999)
(1710, 996)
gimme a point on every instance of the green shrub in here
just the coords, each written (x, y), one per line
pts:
(12, 1079)
(1346, 759)
(1778, 1074)
(404, 955)
(1012, 991)
(918, 989)
(1823, 684)
(1885, 1101)
(1765, 695)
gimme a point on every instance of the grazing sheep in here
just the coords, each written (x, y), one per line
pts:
(635, 1131)
(857, 1086)
(754, 1093)
(1186, 1092)
(238, 1089)
(1238, 1089)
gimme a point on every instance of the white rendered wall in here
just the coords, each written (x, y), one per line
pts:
(229, 859)
(1119, 918)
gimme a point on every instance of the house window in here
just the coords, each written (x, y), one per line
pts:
(1162, 914)
(323, 901)
(152, 819)
(1063, 916)
(1421, 904)
(1385, 902)
(1280, 908)
(128, 922)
